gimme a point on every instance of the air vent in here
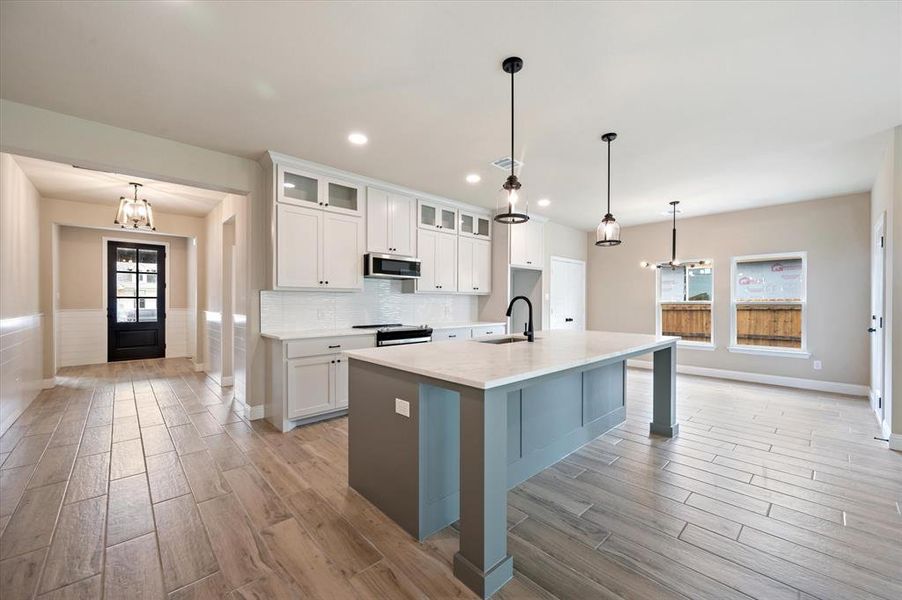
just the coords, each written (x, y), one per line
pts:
(505, 163)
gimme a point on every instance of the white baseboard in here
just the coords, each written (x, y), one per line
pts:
(48, 384)
(254, 413)
(199, 367)
(227, 381)
(895, 442)
(793, 382)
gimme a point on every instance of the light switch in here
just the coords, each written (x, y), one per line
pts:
(402, 407)
(817, 365)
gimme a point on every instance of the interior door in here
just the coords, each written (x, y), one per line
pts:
(568, 294)
(136, 301)
(876, 328)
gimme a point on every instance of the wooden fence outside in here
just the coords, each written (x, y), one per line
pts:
(769, 325)
(692, 322)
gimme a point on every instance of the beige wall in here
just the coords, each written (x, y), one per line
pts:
(834, 232)
(21, 337)
(82, 272)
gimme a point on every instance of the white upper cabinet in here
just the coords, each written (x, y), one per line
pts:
(527, 244)
(342, 252)
(474, 225)
(390, 223)
(474, 266)
(438, 253)
(432, 215)
(306, 189)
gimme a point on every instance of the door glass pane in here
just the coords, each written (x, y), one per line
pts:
(147, 261)
(125, 284)
(147, 309)
(299, 187)
(482, 227)
(125, 310)
(427, 214)
(342, 196)
(126, 259)
(147, 285)
(448, 219)
(466, 224)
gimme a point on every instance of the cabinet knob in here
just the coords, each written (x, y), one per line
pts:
(327, 283)
(320, 282)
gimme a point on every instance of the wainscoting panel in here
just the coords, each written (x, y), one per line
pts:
(213, 344)
(82, 335)
(239, 368)
(177, 333)
(21, 365)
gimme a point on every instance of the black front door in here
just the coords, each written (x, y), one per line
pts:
(136, 301)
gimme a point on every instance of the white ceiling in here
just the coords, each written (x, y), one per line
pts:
(720, 105)
(65, 182)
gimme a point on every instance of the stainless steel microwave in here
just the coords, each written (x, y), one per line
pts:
(390, 266)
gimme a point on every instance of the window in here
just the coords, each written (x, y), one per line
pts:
(684, 305)
(768, 304)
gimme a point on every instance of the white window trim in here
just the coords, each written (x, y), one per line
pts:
(686, 344)
(770, 350)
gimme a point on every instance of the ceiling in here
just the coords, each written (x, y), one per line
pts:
(65, 182)
(720, 105)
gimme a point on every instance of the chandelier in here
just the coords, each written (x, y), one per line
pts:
(134, 213)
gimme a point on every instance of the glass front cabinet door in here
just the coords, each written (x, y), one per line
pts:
(478, 226)
(313, 191)
(435, 216)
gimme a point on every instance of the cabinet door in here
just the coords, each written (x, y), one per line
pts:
(519, 239)
(309, 386)
(482, 266)
(378, 209)
(484, 227)
(536, 248)
(448, 219)
(342, 251)
(466, 261)
(475, 225)
(428, 215)
(446, 262)
(340, 382)
(400, 225)
(342, 197)
(298, 188)
(298, 247)
(427, 247)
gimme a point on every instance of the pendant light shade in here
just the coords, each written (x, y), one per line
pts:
(134, 213)
(513, 208)
(608, 231)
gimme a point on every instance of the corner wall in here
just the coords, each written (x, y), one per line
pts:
(21, 321)
(834, 232)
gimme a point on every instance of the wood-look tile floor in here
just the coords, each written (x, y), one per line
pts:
(138, 480)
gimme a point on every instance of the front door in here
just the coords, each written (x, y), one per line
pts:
(136, 301)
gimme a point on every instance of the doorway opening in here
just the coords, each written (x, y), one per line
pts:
(136, 301)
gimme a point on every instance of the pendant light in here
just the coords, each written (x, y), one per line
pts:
(673, 263)
(608, 231)
(511, 188)
(134, 214)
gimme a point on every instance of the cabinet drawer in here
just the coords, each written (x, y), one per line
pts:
(329, 345)
(461, 333)
(488, 330)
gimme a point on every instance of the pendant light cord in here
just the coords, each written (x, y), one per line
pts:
(673, 246)
(609, 177)
(513, 161)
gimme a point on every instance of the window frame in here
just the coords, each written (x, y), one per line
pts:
(734, 346)
(688, 344)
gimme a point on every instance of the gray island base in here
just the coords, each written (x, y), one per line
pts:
(482, 419)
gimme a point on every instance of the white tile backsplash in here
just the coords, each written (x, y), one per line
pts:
(381, 301)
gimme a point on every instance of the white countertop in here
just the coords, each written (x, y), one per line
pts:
(306, 334)
(484, 366)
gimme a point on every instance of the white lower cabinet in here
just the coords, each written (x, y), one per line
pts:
(310, 382)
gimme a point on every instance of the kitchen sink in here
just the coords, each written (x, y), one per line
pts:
(504, 340)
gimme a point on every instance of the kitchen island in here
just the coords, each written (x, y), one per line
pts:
(439, 432)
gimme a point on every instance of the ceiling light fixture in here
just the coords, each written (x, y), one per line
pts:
(134, 214)
(674, 262)
(358, 139)
(544, 202)
(608, 231)
(473, 178)
(510, 194)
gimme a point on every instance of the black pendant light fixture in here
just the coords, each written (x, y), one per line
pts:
(511, 187)
(608, 231)
(674, 262)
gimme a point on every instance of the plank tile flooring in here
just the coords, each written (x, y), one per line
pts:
(138, 480)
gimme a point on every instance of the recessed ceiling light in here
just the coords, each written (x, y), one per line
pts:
(544, 202)
(288, 185)
(358, 139)
(473, 178)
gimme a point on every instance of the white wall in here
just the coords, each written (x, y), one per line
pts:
(833, 231)
(21, 337)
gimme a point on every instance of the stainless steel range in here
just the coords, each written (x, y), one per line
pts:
(396, 334)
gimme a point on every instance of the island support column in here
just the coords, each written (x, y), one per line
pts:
(483, 563)
(664, 393)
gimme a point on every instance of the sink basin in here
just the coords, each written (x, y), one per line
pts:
(504, 340)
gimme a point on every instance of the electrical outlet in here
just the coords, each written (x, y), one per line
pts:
(402, 407)
(817, 365)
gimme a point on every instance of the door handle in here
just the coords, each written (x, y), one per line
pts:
(872, 329)
(568, 320)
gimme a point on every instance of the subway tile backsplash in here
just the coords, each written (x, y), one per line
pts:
(381, 301)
